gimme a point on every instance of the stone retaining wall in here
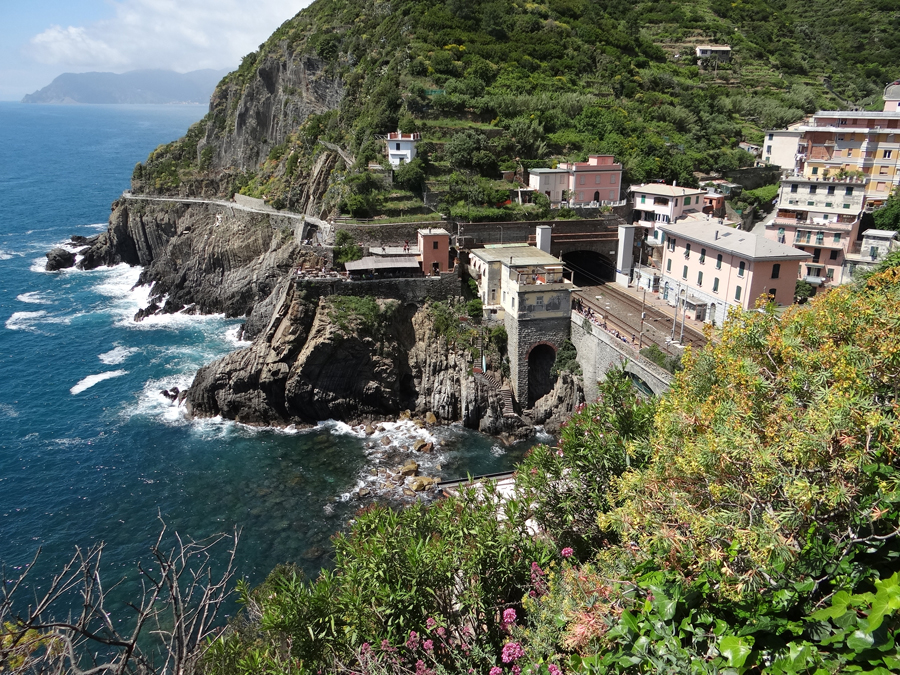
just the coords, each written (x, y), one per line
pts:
(416, 290)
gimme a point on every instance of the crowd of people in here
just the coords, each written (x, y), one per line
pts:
(599, 320)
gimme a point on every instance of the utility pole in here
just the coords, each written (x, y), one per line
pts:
(641, 341)
(681, 337)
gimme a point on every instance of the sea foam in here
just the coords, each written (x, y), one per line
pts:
(117, 355)
(24, 320)
(34, 298)
(91, 380)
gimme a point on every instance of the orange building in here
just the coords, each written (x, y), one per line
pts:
(434, 250)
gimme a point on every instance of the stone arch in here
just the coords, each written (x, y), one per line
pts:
(541, 358)
(645, 382)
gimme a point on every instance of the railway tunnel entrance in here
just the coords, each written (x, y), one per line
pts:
(589, 268)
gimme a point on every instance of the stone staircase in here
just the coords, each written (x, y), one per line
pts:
(506, 395)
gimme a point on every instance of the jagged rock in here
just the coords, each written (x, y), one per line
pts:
(430, 418)
(421, 483)
(149, 310)
(557, 406)
(405, 415)
(419, 444)
(409, 469)
(386, 440)
(59, 259)
(369, 430)
(408, 493)
(363, 492)
(428, 447)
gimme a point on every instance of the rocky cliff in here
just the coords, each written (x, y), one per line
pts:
(320, 359)
(208, 258)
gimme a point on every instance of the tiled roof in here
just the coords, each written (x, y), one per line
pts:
(730, 240)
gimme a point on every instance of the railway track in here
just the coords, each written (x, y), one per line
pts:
(622, 313)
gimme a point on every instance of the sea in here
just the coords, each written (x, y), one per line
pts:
(90, 450)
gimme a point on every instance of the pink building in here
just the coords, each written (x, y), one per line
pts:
(434, 250)
(597, 180)
(707, 268)
(655, 204)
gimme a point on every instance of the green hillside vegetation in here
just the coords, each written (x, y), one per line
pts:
(744, 522)
(493, 85)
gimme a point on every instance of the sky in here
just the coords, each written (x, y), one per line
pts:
(40, 39)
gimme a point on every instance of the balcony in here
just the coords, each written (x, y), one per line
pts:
(538, 276)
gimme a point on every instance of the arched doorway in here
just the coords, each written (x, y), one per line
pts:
(597, 196)
(540, 364)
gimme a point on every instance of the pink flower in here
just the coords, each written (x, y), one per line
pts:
(512, 651)
(441, 631)
(566, 552)
(559, 453)
(428, 645)
(496, 670)
(516, 670)
(554, 669)
(413, 641)
(509, 616)
(430, 623)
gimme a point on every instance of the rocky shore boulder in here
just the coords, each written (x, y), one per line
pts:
(59, 259)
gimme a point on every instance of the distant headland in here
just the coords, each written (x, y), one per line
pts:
(136, 86)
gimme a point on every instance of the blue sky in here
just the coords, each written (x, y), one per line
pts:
(41, 39)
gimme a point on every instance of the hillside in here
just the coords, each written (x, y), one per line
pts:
(136, 86)
(489, 82)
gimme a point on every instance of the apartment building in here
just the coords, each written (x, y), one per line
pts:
(654, 204)
(597, 181)
(709, 268)
(874, 246)
(820, 216)
(846, 142)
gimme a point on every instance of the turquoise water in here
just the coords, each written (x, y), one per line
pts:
(89, 449)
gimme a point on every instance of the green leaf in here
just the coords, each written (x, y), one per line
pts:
(665, 607)
(735, 650)
(630, 621)
(860, 641)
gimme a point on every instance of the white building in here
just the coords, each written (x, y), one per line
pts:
(721, 52)
(656, 204)
(550, 182)
(401, 148)
(874, 247)
(784, 148)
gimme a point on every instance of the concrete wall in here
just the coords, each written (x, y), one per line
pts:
(415, 290)
(525, 334)
(598, 351)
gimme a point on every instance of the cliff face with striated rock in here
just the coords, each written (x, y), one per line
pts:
(207, 257)
(310, 363)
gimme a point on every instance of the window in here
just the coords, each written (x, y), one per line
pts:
(848, 191)
(776, 270)
(687, 250)
(741, 268)
(716, 285)
(771, 136)
(581, 180)
(772, 294)
(687, 201)
(669, 265)
(849, 152)
(434, 245)
(834, 255)
(812, 189)
(768, 149)
(493, 295)
(837, 239)
(612, 179)
(719, 261)
(815, 171)
(831, 189)
(702, 255)
(828, 205)
(672, 244)
(737, 293)
(513, 301)
(882, 171)
(887, 154)
(539, 300)
(793, 187)
(643, 199)
(880, 187)
(820, 238)
(810, 203)
(676, 201)
(846, 206)
(699, 278)
(684, 272)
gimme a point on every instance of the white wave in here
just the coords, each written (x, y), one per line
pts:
(498, 451)
(151, 402)
(34, 298)
(231, 335)
(117, 355)
(97, 226)
(6, 255)
(7, 410)
(24, 320)
(91, 380)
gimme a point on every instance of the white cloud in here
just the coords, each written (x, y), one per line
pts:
(180, 35)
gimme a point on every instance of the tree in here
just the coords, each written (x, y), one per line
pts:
(345, 249)
(174, 616)
(888, 216)
(804, 289)
(410, 176)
